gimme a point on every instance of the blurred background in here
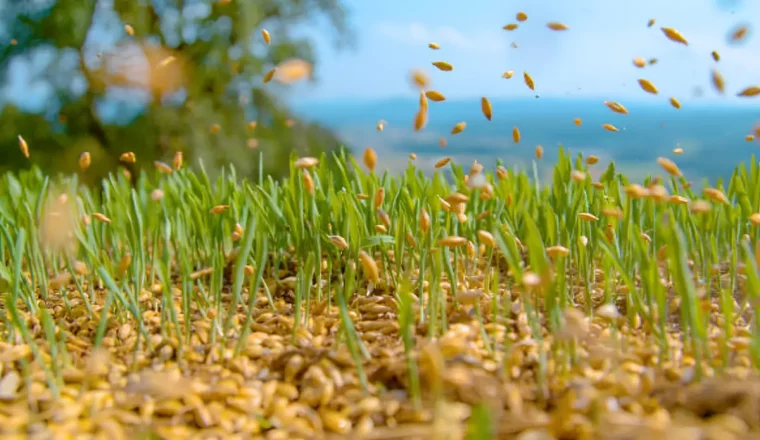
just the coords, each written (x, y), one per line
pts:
(159, 76)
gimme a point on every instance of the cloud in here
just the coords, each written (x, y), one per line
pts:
(418, 34)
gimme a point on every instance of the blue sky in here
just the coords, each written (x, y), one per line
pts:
(592, 59)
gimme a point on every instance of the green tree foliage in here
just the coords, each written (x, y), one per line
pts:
(188, 65)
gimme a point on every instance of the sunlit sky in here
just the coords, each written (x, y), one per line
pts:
(592, 59)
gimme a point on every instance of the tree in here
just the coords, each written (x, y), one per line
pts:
(159, 76)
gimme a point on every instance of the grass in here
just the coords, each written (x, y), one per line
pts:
(341, 300)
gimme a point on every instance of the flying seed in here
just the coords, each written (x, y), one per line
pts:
(739, 33)
(268, 77)
(647, 86)
(556, 26)
(452, 241)
(128, 157)
(306, 162)
(511, 27)
(423, 101)
(610, 127)
(516, 135)
(539, 152)
(370, 267)
(577, 176)
(443, 66)
(218, 209)
(652, 61)
(23, 146)
(100, 217)
(412, 156)
(578, 122)
(162, 167)
(674, 35)
(129, 30)
(420, 79)
(508, 74)
(750, 91)
(718, 82)
(485, 107)
(591, 160)
(215, 129)
(266, 36)
(435, 96)
(420, 119)
(442, 163)
(521, 16)
(639, 62)
(669, 166)
(458, 128)
(442, 142)
(434, 46)
(715, 56)
(308, 182)
(514, 45)
(716, 195)
(370, 159)
(177, 161)
(616, 107)
(678, 151)
(529, 81)
(381, 125)
(293, 70)
(675, 103)
(379, 197)
(749, 137)
(651, 22)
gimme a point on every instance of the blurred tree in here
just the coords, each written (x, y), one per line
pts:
(155, 77)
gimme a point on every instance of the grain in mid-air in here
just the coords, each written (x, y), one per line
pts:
(610, 127)
(718, 82)
(434, 46)
(529, 81)
(443, 66)
(674, 35)
(750, 91)
(675, 103)
(557, 26)
(522, 16)
(459, 127)
(516, 135)
(647, 86)
(485, 107)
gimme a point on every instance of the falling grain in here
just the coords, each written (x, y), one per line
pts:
(616, 107)
(556, 26)
(128, 157)
(578, 122)
(485, 107)
(610, 127)
(442, 163)
(647, 86)
(639, 62)
(651, 22)
(539, 152)
(749, 137)
(674, 35)
(370, 159)
(443, 66)
(177, 161)
(420, 79)
(718, 82)
(521, 16)
(380, 125)
(265, 35)
(516, 135)
(420, 119)
(23, 146)
(129, 30)
(592, 160)
(434, 46)
(715, 56)
(750, 91)
(435, 96)
(508, 74)
(442, 142)
(675, 103)
(84, 161)
(738, 34)
(678, 151)
(511, 27)
(162, 167)
(268, 77)
(529, 81)
(669, 166)
(458, 128)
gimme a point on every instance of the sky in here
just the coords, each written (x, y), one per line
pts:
(593, 59)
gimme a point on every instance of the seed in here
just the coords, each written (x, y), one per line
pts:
(308, 181)
(485, 106)
(718, 82)
(370, 159)
(577, 122)
(293, 70)
(162, 167)
(755, 219)
(443, 66)
(699, 207)
(80, 268)
(434, 46)
(612, 211)
(591, 160)
(458, 128)
(177, 161)
(647, 86)
(129, 30)
(379, 197)
(716, 195)
(678, 200)
(306, 162)
(739, 33)
(424, 221)
(442, 142)
(435, 96)
(616, 107)
(84, 160)
(218, 209)
(674, 35)
(650, 23)
(128, 157)
(608, 312)
(639, 62)
(539, 152)
(100, 217)
(675, 103)
(381, 125)
(370, 267)
(510, 27)
(749, 137)
(420, 119)
(529, 81)
(269, 75)
(412, 156)
(516, 135)
(485, 237)
(715, 56)
(556, 26)
(508, 74)
(652, 61)
(266, 36)
(585, 216)
(23, 146)
(750, 91)
(669, 166)
(610, 127)
(338, 241)
(557, 251)
(452, 241)
(215, 128)
(420, 79)
(530, 279)
(578, 176)
(636, 191)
